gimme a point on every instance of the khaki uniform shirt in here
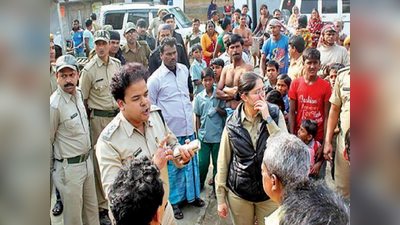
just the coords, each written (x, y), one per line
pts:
(95, 26)
(53, 79)
(225, 150)
(341, 97)
(120, 141)
(141, 55)
(296, 68)
(95, 82)
(69, 125)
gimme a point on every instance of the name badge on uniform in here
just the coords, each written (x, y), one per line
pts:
(346, 88)
(74, 115)
(137, 152)
(98, 80)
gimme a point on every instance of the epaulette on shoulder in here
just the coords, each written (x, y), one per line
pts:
(55, 99)
(347, 68)
(115, 60)
(110, 129)
(143, 42)
(154, 108)
(89, 65)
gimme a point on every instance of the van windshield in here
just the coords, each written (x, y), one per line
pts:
(182, 18)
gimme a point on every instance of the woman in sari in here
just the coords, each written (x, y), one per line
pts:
(208, 42)
(315, 26)
(294, 18)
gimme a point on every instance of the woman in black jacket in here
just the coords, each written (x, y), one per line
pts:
(243, 142)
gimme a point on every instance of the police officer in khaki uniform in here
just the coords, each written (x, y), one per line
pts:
(134, 50)
(71, 165)
(137, 130)
(102, 108)
(340, 100)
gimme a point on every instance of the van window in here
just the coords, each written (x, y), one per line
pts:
(134, 16)
(346, 6)
(308, 5)
(115, 19)
(329, 6)
(181, 17)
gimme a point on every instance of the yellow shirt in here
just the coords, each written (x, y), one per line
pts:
(95, 80)
(296, 68)
(120, 141)
(206, 42)
(225, 149)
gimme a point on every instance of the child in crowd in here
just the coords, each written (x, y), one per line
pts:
(332, 71)
(272, 69)
(307, 132)
(283, 85)
(197, 66)
(275, 97)
(217, 65)
(210, 121)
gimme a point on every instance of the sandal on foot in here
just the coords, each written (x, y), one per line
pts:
(198, 202)
(58, 208)
(178, 214)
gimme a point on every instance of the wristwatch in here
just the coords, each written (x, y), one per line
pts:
(269, 119)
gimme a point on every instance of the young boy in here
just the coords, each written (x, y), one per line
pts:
(309, 96)
(332, 71)
(307, 131)
(197, 66)
(272, 69)
(210, 120)
(217, 65)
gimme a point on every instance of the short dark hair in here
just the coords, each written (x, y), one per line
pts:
(263, 6)
(217, 61)
(238, 11)
(224, 23)
(245, 6)
(243, 15)
(324, 206)
(286, 79)
(311, 53)
(195, 20)
(302, 21)
(334, 67)
(207, 72)
(234, 38)
(277, 10)
(214, 12)
(88, 23)
(76, 21)
(196, 47)
(141, 23)
(136, 193)
(275, 97)
(297, 42)
(210, 22)
(310, 126)
(93, 16)
(272, 63)
(125, 76)
(170, 41)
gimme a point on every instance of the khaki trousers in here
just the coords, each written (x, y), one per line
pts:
(97, 124)
(76, 185)
(242, 211)
(342, 169)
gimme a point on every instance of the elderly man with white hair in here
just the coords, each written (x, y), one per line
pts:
(285, 170)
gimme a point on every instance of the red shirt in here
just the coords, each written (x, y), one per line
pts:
(310, 102)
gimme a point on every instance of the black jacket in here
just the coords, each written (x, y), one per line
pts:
(244, 176)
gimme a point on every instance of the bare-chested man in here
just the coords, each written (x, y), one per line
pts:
(227, 86)
(245, 33)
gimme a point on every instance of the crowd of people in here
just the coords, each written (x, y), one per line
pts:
(121, 127)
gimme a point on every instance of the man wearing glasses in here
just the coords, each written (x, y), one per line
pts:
(134, 50)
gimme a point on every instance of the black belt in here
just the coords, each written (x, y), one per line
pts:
(76, 159)
(105, 113)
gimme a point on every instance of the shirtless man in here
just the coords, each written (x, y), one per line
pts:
(227, 86)
(245, 33)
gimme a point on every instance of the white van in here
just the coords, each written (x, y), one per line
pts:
(329, 10)
(119, 14)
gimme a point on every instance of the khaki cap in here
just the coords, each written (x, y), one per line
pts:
(66, 61)
(102, 35)
(129, 26)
